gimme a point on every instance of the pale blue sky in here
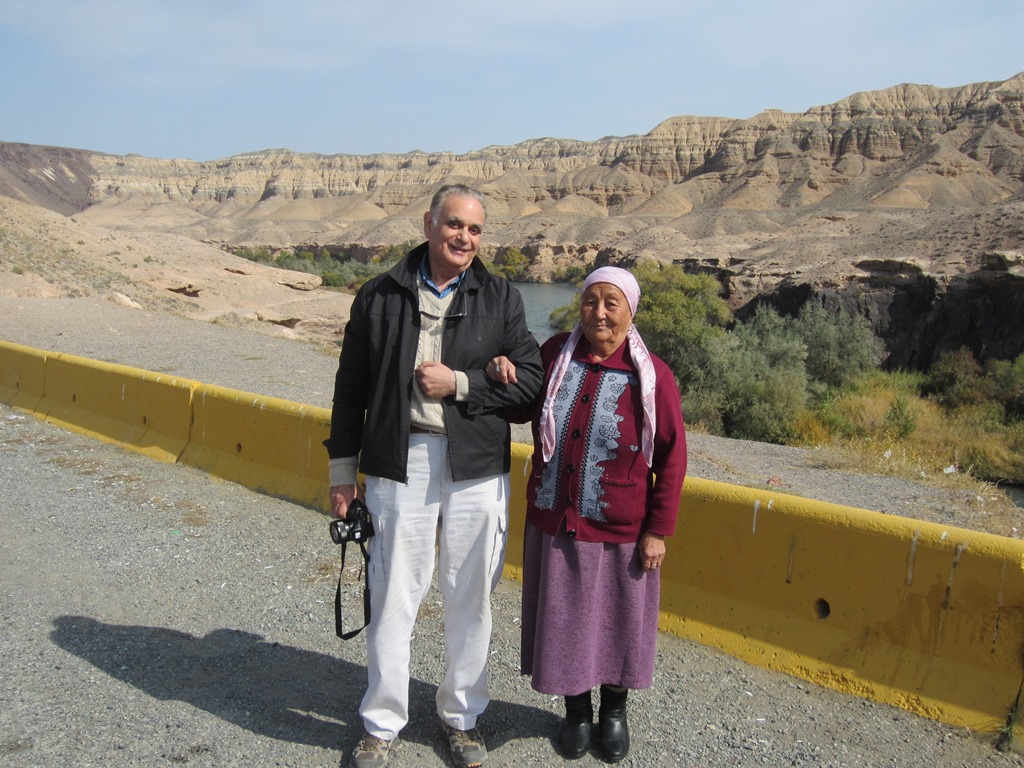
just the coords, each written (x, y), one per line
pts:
(205, 79)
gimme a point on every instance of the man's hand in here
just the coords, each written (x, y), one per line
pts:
(435, 379)
(341, 499)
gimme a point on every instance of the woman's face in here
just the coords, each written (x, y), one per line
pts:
(605, 316)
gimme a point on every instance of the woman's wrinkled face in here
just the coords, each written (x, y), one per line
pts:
(605, 316)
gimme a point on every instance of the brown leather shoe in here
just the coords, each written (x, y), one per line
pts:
(371, 752)
(467, 747)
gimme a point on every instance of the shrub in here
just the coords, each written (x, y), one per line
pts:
(900, 420)
(1007, 380)
(839, 347)
(956, 380)
(513, 264)
(564, 318)
(258, 255)
(702, 409)
(574, 273)
(679, 316)
(761, 372)
(332, 280)
(981, 446)
(393, 254)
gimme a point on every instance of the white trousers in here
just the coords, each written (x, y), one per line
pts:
(466, 522)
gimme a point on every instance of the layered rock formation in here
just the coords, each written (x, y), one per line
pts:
(906, 204)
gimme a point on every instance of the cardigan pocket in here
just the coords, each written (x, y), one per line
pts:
(621, 503)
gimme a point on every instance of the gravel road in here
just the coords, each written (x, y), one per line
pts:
(153, 615)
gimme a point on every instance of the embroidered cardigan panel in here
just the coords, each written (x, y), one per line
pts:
(597, 483)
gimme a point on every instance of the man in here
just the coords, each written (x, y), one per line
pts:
(415, 411)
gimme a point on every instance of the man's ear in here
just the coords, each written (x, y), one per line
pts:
(426, 225)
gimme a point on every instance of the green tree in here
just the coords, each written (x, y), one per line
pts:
(679, 316)
(839, 347)
(762, 376)
(574, 273)
(514, 264)
(393, 254)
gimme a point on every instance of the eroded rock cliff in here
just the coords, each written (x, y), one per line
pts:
(906, 204)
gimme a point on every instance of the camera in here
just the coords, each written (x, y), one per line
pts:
(356, 526)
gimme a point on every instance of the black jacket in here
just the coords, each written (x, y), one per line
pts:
(372, 389)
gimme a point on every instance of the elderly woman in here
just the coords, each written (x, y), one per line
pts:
(608, 467)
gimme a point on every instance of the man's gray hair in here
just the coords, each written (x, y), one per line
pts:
(453, 190)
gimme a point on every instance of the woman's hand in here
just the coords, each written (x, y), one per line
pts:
(501, 370)
(652, 551)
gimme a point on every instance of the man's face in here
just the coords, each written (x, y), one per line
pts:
(454, 241)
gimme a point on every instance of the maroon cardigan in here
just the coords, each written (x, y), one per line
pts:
(599, 487)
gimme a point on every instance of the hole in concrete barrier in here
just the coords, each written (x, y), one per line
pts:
(821, 608)
(145, 421)
(74, 397)
(238, 447)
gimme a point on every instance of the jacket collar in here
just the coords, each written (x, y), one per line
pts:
(406, 272)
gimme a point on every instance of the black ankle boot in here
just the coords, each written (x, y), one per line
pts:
(611, 718)
(574, 736)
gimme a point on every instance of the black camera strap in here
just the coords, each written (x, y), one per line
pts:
(366, 594)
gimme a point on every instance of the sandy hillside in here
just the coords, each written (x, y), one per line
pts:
(46, 255)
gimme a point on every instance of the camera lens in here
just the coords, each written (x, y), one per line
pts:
(338, 531)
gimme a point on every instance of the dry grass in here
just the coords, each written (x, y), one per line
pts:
(884, 427)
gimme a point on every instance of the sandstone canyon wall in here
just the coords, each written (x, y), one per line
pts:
(905, 204)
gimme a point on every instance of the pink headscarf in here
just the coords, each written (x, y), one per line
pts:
(630, 288)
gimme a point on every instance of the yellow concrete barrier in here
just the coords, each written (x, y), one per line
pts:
(270, 445)
(518, 475)
(21, 375)
(146, 412)
(923, 616)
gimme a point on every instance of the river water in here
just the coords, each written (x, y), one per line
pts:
(1016, 494)
(540, 299)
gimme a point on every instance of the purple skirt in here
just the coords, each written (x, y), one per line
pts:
(590, 614)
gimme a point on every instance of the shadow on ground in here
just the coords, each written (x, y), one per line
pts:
(270, 689)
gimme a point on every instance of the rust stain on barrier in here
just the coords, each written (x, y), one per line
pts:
(999, 606)
(911, 557)
(946, 595)
(952, 571)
